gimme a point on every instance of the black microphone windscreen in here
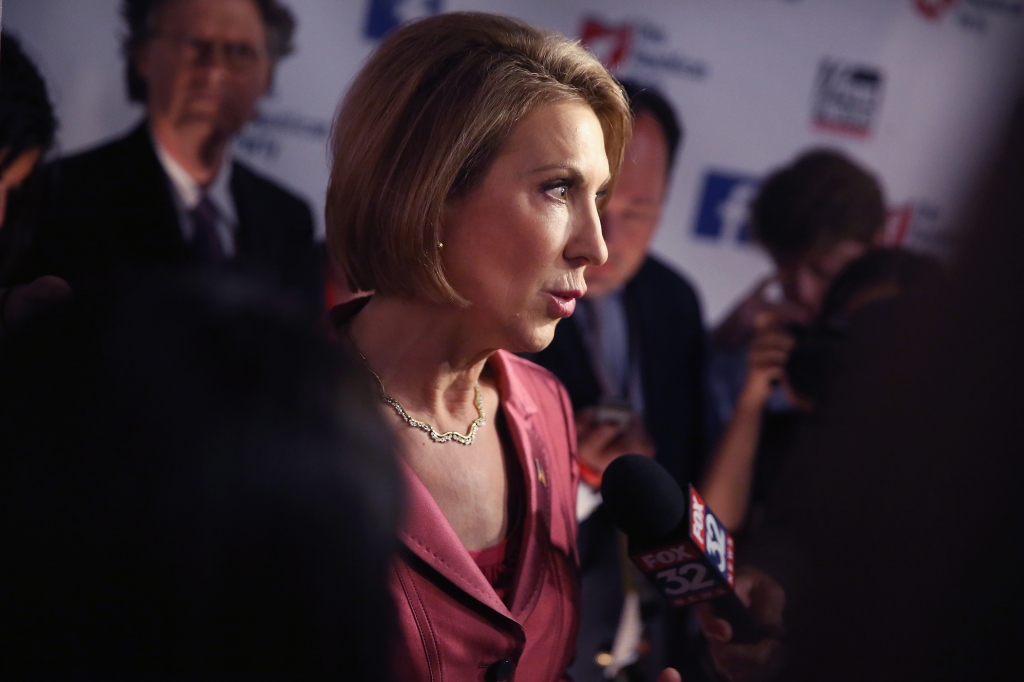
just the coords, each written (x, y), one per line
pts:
(642, 497)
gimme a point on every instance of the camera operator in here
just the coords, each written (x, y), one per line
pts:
(801, 361)
(813, 217)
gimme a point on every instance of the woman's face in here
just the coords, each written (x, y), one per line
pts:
(516, 246)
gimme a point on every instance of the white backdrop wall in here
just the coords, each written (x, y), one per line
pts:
(918, 90)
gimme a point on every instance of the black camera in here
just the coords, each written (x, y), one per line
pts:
(815, 357)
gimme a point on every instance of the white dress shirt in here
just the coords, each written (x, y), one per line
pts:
(604, 328)
(188, 193)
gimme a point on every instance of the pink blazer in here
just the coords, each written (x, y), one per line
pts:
(452, 625)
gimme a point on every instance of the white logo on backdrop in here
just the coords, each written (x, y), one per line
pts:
(734, 212)
(847, 97)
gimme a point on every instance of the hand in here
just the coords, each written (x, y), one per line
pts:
(670, 675)
(28, 299)
(766, 364)
(601, 443)
(756, 662)
(736, 330)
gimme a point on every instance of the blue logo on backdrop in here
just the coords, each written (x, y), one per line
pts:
(384, 15)
(724, 213)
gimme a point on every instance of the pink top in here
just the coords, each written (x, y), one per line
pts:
(498, 562)
(496, 567)
(452, 623)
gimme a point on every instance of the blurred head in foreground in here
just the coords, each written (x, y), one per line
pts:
(816, 216)
(919, 453)
(193, 486)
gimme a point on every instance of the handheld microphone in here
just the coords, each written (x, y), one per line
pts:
(675, 540)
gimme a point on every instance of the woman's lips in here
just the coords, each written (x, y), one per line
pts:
(563, 303)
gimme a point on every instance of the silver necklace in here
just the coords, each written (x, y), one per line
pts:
(461, 438)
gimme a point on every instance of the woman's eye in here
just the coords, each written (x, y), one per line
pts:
(559, 192)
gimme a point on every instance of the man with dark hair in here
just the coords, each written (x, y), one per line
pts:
(27, 127)
(27, 123)
(632, 359)
(169, 193)
(814, 217)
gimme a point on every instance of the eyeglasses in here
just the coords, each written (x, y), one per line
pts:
(201, 52)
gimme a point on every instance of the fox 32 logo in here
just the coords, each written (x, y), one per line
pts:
(724, 211)
(384, 15)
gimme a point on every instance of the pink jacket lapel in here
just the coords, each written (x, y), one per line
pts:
(429, 536)
(520, 409)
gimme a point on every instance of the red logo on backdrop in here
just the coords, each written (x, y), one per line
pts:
(915, 220)
(897, 224)
(933, 9)
(609, 43)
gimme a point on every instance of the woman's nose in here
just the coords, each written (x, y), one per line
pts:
(587, 244)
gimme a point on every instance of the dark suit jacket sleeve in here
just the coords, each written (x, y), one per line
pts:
(111, 213)
(665, 318)
(107, 210)
(276, 238)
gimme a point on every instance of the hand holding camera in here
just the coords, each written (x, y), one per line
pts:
(770, 348)
(604, 433)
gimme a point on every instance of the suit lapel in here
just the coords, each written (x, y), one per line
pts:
(638, 317)
(248, 220)
(153, 190)
(256, 221)
(428, 535)
(520, 410)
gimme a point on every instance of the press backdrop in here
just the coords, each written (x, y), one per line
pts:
(916, 89)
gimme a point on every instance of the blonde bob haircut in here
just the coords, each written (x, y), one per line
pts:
(421, 125)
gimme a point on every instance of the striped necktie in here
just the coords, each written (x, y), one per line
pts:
(205, 240)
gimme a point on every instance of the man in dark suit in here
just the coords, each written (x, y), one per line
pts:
(632, 359)
(168, 194)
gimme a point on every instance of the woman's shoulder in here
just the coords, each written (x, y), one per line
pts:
(333, 323)
(521, 374)
(540, 406)
(526, 367)
(532, 390)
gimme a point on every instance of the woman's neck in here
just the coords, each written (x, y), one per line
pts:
(423, 356)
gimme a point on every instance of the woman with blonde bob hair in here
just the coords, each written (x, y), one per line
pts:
(470, 158)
